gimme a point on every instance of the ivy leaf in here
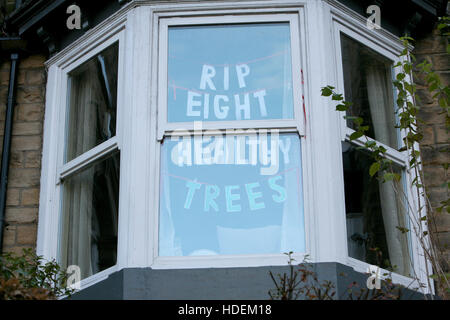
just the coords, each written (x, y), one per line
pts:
(410, 88)
(407, 67)
(358, 121)
(433, 87)
(355, 135)
(382, 149)
(403, 230)
(337, 97)
(400, 76)
(388, 176)
(374, 168)
(364, 128)
(441, 26)
(327, 91)
(341, 107)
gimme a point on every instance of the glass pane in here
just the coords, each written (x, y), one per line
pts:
(368, 85)
(229, 195)
(90, 212)
(92, 103)
(229, 72)
(374, 211)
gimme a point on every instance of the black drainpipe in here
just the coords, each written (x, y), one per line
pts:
(7, 142)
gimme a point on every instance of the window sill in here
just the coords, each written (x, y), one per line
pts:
(408, 282)
(225, 261)
(96, 278)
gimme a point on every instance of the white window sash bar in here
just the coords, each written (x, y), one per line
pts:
(233, 132)
(239, 126)
(87, 158)
(398, 157)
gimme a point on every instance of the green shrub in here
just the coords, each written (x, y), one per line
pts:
(30, 277)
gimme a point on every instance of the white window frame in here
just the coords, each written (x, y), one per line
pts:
(54, 167)
(382, 43)
(295, 125)
(140, 129)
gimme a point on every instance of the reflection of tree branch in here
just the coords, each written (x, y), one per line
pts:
(359, 238)
(198, 91)
(235, 64)
(3, 14)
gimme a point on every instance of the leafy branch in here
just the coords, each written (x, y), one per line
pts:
(408, 115)
(301, 282)
(29, 276)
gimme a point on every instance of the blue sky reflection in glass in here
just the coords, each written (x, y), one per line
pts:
(236, 200)
(229, 72)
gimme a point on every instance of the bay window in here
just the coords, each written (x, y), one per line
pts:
(195, 136)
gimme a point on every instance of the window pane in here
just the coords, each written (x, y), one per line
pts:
(374, 211)
(90, 213)
(92, 103)
(229, 72)
(235, 199)
(368, 85)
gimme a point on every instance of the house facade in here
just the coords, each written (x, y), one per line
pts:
(179, 149)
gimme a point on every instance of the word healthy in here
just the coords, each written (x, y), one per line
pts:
(250, 147)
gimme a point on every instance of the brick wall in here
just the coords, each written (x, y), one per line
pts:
(26, 150)
(435, 146)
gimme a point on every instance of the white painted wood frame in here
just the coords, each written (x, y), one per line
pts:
(390, 49)
(141, 29)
